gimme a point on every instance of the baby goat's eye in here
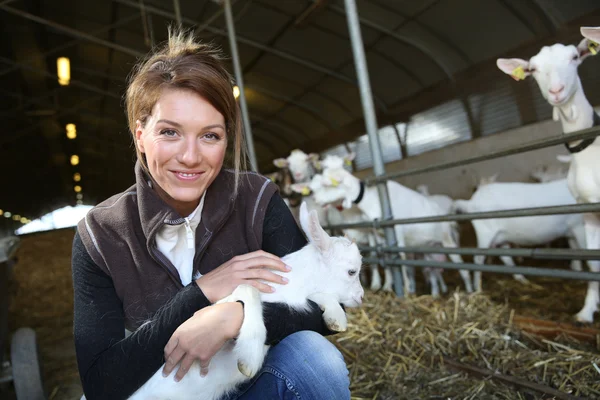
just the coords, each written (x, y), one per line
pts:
(352, 272)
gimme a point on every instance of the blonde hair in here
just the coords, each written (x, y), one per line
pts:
(184, 63)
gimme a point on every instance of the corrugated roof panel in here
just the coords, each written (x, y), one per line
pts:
(437, 127)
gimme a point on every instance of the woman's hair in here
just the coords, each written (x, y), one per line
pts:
(184, 63)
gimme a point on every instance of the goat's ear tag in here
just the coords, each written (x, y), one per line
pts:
(305, 191)
(348, 163)
(593, 47)
(518, 73)
(334, 182)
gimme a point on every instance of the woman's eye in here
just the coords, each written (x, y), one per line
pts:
(168, 132)
(211, 136)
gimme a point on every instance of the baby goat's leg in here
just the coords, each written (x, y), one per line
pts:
(333, 314)
(250, 348)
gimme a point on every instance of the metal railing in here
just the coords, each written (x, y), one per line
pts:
(535, 253)
(555, 254)
(501, 269)
(536, 145)
(513, 213)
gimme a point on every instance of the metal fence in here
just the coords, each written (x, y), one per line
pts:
(556, 254)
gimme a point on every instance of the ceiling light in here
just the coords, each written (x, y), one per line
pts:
(23, 220)
(79, 196)
(7, 214)
(1, 212)
(63, 69)
(74, 159)
(236, 91)
(71, 131)
(76, 177)
(77, 188)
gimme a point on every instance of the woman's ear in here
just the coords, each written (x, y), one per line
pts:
(138, 136)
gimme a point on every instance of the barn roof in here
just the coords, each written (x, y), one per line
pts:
(298, 71)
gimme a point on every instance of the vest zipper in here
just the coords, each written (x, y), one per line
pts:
(189, 234)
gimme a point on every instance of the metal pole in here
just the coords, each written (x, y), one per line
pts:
(540, 144)
(517, 212)
(542, 254)
(501, 269)
(240, 83)
(371, 125)
(177, 9)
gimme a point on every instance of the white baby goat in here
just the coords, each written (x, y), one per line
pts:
(325, 271)
(555, 70)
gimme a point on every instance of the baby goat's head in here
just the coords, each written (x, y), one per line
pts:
(340, 257)
(554, 68)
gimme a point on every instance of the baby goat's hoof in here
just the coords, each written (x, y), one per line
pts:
(245, 370)
(335, 326)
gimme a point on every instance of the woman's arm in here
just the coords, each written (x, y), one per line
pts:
(281, 236)
(110, 365)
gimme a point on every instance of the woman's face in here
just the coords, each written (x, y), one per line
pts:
(184, 141)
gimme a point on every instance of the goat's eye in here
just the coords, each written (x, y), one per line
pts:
(532, 70)
(575, 57)
(352, 272)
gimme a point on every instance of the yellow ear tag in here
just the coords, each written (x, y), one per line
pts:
(334, 182)
(348, 162)
(593, 47)
(305, 191)
(518, 73)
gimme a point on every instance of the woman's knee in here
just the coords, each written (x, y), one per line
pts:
(312, 364)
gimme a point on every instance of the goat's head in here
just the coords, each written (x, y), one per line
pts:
(554, 68)
(333, 186)
(333, 161)
(341, 258)
(299, 163)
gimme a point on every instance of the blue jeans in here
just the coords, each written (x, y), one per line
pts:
(304, 366)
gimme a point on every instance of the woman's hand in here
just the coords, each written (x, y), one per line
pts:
(248, 269)
(201, 336)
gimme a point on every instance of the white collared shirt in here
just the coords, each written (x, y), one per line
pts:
(178, 243)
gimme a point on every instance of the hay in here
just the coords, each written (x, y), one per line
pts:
(399, 349)
(395, 348)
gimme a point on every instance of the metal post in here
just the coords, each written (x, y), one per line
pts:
(240, 83)
(177, 10)
(371, 125)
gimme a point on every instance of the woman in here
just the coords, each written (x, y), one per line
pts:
(154, 259)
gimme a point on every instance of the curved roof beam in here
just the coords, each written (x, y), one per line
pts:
(550, 22)
(291, 130)
(432, 32)
(370, 48)
(260, 46)
(518, 16)
(309, 109)
(401, 38)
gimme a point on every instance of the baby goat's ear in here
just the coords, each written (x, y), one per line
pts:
(312, 228)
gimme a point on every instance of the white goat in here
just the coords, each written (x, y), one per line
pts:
(555, 70)
(445, 202)
(325, 271)
(525, 231)
(338, 185)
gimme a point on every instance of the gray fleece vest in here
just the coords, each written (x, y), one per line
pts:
(119, 234)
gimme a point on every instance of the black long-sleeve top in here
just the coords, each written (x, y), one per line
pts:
(112, 366)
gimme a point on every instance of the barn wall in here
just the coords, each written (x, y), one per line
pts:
(459, 182)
